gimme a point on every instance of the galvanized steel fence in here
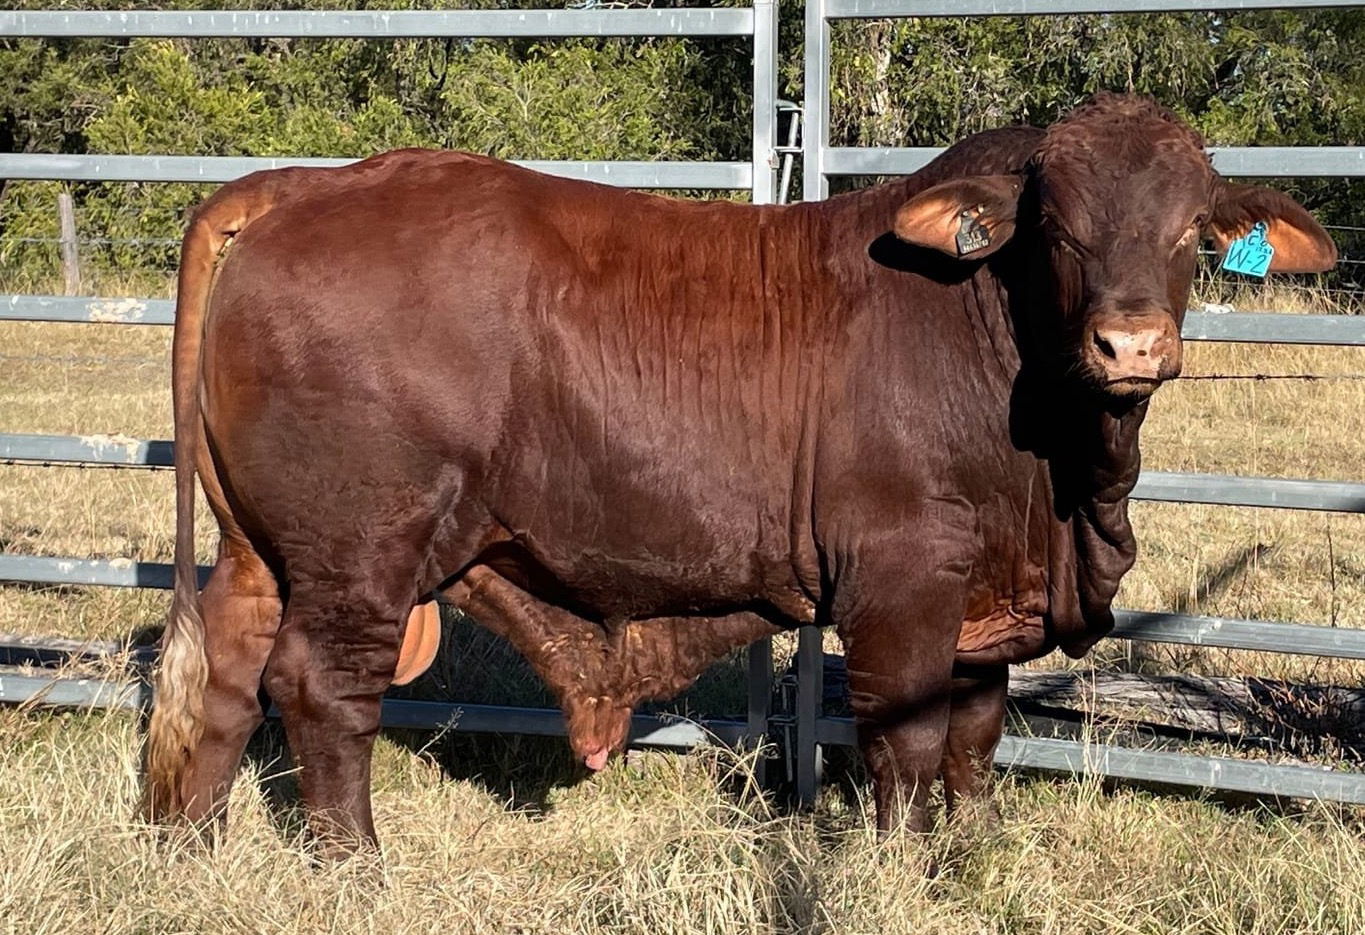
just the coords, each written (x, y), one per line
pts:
(805, 725)
(823, 161)
(758, 176)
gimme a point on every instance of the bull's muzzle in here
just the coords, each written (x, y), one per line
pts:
(1133, 353)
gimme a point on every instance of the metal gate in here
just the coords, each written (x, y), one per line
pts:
(758, 176)
(821, 162)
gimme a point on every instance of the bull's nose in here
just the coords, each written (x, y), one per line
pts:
(1146, 348)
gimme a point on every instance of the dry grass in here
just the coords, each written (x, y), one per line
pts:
(673, 846)
(496, 835)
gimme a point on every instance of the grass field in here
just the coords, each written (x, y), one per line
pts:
(502, 834)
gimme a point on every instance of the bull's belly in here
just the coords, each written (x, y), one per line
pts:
(606, 585)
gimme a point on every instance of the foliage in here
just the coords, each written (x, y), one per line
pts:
(1245, 78)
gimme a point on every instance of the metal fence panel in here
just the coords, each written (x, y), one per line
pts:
(823, 161)
(103, 572)
(1150, 626)
(1217, 323)
(1163, 486)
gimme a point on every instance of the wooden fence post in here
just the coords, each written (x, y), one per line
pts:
(71, 258)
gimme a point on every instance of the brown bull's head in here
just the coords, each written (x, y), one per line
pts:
(1107, 219)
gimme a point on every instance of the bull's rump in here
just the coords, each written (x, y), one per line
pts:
(431, 343)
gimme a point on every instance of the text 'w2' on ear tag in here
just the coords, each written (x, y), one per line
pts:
(971, 236)
(1250, 255)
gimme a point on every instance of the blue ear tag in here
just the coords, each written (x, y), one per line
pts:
(1250, 255)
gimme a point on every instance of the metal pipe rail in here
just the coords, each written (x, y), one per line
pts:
(822, 161)
(86, 167)
(378, 24)
(1150, 626)
(1206, 323)
(1163, 486)
(895, 9)
(27, 686)
(1235, 161)
(20, 686)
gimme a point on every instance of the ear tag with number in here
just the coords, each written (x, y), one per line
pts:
(971, 236)
(1250, 255)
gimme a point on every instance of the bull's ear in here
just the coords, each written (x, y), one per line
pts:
(1301, 245)
(968, 218)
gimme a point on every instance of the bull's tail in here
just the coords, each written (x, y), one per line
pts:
(177, 721)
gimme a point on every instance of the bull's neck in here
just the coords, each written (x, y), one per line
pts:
(1085, 448)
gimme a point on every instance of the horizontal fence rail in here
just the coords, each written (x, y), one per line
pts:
(646, 730)
(671, 732)
(1148, 626)
(893, 9)
(110, 450)
(662, 174)
(1237, 161)
(1228, 633)
(378, 24)
(1161, 486)
(1205, 323)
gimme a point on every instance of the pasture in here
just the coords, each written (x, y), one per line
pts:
(505, 834)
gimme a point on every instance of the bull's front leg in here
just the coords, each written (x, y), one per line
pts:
(975, 725)
(899, 622)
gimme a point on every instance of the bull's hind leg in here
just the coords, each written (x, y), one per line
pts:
(241, 611)
(975, 724)
(335, 655)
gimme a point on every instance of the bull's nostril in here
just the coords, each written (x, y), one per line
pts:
(1141, 353)
(1105, 347)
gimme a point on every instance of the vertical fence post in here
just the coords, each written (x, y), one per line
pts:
(815, 112)
(764, 192)
(71, 257)
(760, 658)
(810, 678)
(765, 102)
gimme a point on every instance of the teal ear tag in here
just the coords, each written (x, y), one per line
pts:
(1250, 255)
